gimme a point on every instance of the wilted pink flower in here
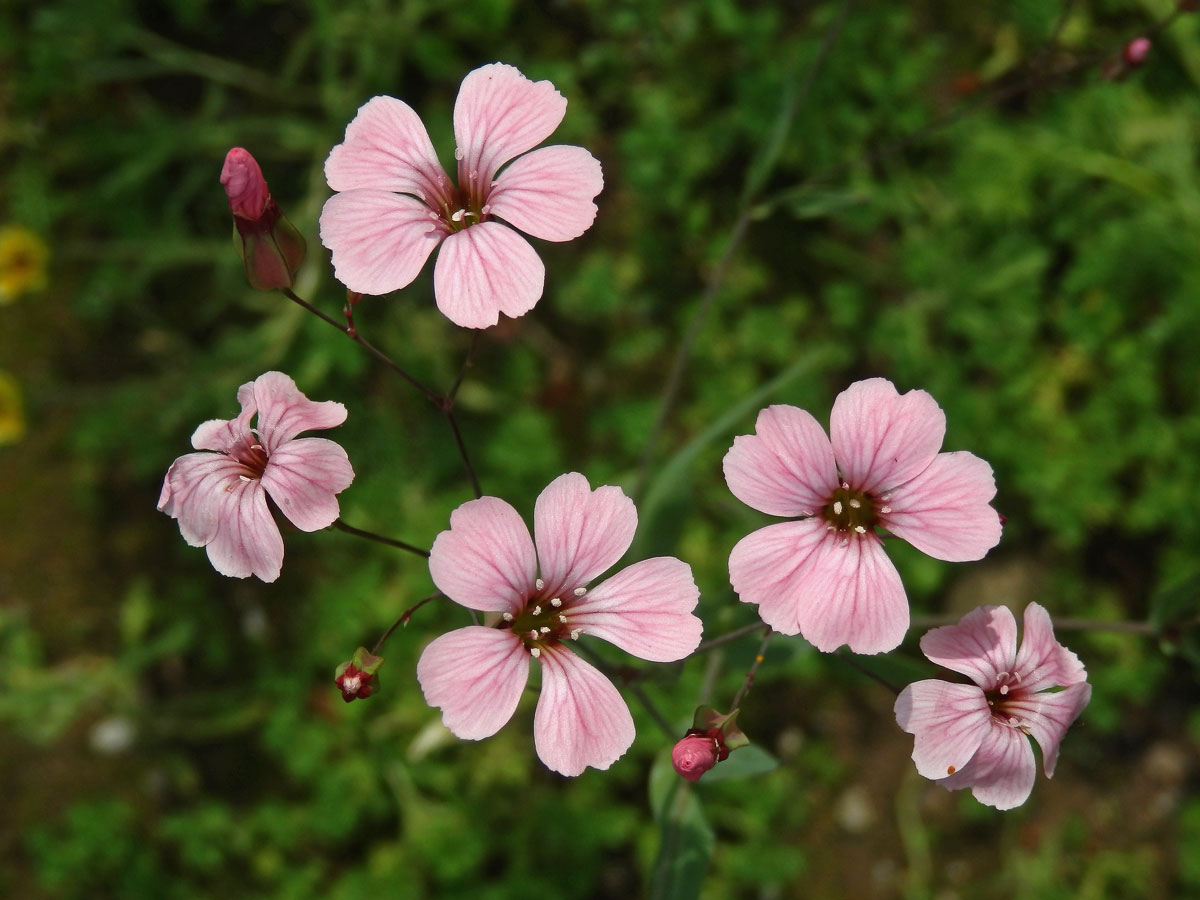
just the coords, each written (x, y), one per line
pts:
(271, 247)
(974, 735)
(827, 576)
(396, 202)
(486, 561)
(694, 755)
(220, 496)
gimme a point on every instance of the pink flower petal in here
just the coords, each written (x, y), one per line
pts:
(486, 560)
(1042, 661)
(645, 610)
(195, 492)
(881, 438)
(949, 722)
(475, 675)
(284, 412)
(580, 532)
(303, 477)
(944, 511)
(548, 193)
(982, 646)
(379, 240)
(485, 270)
(786, 467)
(581, 719)
(1048, 715)
(499, 114)
(1002, 771)
(387, 149)
(805, 580)
(222, 435)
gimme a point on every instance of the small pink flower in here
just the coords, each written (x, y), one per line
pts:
(694, 755)
(486, 561)
(826, 576)
(396, 203)
(974, 735)
(220, 496)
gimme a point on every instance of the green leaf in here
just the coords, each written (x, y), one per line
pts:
(744, 763)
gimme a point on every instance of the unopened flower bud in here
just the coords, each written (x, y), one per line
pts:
(356, 679)
(269, 244)
(695, 755)
(1136, 51)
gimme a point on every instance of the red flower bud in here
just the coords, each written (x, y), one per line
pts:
(356, 678)
(269, 244)
(1136, 51)
(695, 755)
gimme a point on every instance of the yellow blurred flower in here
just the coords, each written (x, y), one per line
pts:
(12, 410)
(23, 257)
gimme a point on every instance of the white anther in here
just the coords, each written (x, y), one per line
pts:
(507, 617)
(579, 592)
(563, 619)
(458, 216)
(535, 652)
(1003, 689)
(556, 602)
(545, 629)
(837, 507)
(884, 510)
(576, 633)
(537, 610)
(533, 635)
(256, 446)
(244, 478)
(856, 504)
(540, 585)
(829, 528)
(485, 209)
(860, 529)
(845, 485)
(459, 153)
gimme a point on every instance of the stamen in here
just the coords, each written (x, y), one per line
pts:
(533, 635)
(855, 504)
(535, 652)
(245, 478)
(576, 633)
(459, 153)
(507, 617)
(458, 216)
(860, 529)
(1003, 689)
(837, 507)
(579, 592)
(884, 510)
(540, 585)
(556, 602)
(545, 629)
(563, 619)
(537, 610)
(486, 208)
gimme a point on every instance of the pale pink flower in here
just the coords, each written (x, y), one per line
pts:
(487, 561)
(220, 496)
(826, 576)
(975, 735)
(396, 203)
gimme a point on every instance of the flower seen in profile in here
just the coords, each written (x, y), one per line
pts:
(488, 562)
(977, 735)
(23, 257)
(826, 575)
(219, 495)
(396, 204)
(269, 244)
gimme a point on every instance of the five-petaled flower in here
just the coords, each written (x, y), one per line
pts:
(396, 203)
(487, 561)
(220, 495)
(827, 576)
(975, 735)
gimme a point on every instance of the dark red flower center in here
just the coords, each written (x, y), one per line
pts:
(252, 455)
(544, 621)
(850, 512)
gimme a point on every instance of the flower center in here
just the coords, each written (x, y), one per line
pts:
(850, 512)
(253, 456)
(544, 621)
(998, 700)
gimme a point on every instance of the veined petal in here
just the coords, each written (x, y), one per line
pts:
(222, 435)
(948, 722)
(768, 568)
(853, 595)
(499, 114)
(581, 719)
(485, 560)
(1002, 771)
(1042, 661)
(387, 149)
(1048, 715)
(379, 240)
(944, 510)
(485, 270)
(645, 610)
(475, 675)
(247, 540)
(580, 532)
(882, 438)
(304, 476)
(786, 467)
(195, 492)
(284, 412)
(548, 193)
(982, 646)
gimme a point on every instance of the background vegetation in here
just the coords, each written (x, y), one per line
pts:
(950, 195)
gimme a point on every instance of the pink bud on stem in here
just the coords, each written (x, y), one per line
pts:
(269, 244)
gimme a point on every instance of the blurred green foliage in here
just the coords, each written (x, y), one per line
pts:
(1031, 262)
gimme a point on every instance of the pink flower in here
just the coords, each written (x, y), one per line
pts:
(974, 735)
(694, 755)
(487, 562)
(396, 202)
(826, 576)
(220, 496)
